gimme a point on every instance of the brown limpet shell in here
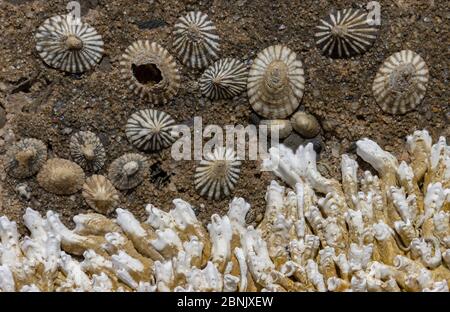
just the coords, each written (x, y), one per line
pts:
(61, 176)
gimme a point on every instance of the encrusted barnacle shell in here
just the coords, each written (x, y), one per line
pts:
(68, 44)
(150, 71)
(224, 79)
(87, 150)
(400, 83)
(284, 126)
(345, 33)
(276, 82)
(100, 194)
(217, 173)
(196, 40)
(305, 124)
(150, 130)
(25, 158)
(61, 176)
(128, 171)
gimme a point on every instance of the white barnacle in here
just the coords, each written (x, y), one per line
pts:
(150, 71)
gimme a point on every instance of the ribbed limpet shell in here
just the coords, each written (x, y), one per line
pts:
(25, 158)
(150, 130)
(217, 174)
(401, 82)
(66, 43)
(61, 176)
(150, 71)
(345, 33)
(128, 171)
(87, 150)
(224, 79)
(100, 194)
(196, 40)
(276, 82)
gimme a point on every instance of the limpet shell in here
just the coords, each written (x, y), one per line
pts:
(225, 79)
(305, 124)
(87, 150)
(345, 33)
(276, 82)
(25, 158)
(61, 176)
(150, 130)
(128, 171)
(150, 71)
(68, 44)
(196, 40)
(401, 82)
(217, 174)
(100, 194)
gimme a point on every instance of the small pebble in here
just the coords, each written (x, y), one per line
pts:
(2, 117)
(282, 27)
(24, 191)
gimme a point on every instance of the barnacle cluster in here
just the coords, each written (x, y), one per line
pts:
(388, 232)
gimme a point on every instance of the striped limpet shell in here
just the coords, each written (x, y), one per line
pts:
(400, 83)
(345, 33)
(217, 174)
(128, 171)
(25, 158)
(196, 40)
(87, 150)
(68, 44)
(150, 71)
(225, 79)
(276, 82)
(150, 130)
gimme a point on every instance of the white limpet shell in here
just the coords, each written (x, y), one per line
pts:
(150, 130)
(224, 79)
(196, 40)
(401, 82)
(66, 43)
(276, 82)
(150, 71)
(217, 174)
